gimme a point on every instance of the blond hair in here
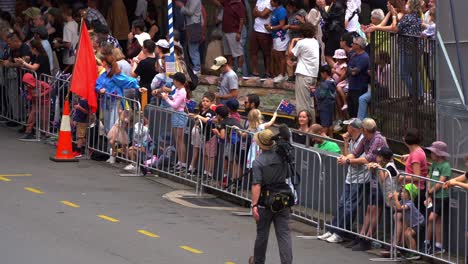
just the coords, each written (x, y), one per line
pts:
(255, 119)
(118, 54)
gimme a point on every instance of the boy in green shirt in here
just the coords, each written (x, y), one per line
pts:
(437, 202)
(321, 143)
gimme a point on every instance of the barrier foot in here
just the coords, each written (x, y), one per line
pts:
(308, 237)
(386, 259)
(243, 213)
(63, 160)
(29, 140)
(130, 174)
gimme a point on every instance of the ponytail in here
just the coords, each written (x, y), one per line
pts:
(112, 64)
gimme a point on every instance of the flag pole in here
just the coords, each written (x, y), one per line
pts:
(170, 59)
(77, 52)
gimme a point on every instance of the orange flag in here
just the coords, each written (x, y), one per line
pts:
(85, 71)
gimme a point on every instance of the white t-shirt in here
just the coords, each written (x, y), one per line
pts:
(351, 7)
(70, 35)
(259, 24)
(307, 52)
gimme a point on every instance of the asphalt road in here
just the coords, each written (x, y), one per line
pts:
(67, 213)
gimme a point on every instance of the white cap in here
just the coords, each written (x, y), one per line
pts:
(218, 63)
(142, 37)
(162, 43)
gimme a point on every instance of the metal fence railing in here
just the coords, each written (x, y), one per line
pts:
(194, 154)
(403, 84)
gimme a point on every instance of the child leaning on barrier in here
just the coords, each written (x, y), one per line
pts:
(80, 120)
(204, 115)
(437, 202)
(412, 220)
(118, 134)
(140, 143)
(460, 181)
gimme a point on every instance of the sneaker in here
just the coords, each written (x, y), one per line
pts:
(265, 77)
(325, 236)
(411, 256)
(338, 126)
(130, 167)
(278, 78)
(426, 247)
(77, 155)
(335, 239)
(352, 243)
(28, 136)
(438, 250)
(344, 108)
(364, 245)
(111, 160)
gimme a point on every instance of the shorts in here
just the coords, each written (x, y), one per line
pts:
(440, 206)
(196, 137)
(179, 120)
(81, 129)
(326, 117)
(231, 46)
(375, 194)
(281, 45)
(210, 147)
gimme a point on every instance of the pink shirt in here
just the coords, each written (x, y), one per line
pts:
(178, 100)
(417, 156)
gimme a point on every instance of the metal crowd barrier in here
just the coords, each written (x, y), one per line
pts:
(18, 104)
(111, 132)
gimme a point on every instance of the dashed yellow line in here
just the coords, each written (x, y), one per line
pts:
(229, 262)
(192, 250)
(33, 190)
(147, 233)
(4, 179)
(108, 218)
(16, 175)
(70, 204)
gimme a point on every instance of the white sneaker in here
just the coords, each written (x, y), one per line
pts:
(325, 236)
(278, 78)
(111, 160)
(344, 107)
(129, 167)
(335, 239)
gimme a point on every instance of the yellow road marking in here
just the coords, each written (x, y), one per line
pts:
(110, 219)
(16, 175)
(190, 249)
(147, 233)
(33, 190)
(4, 179)
(70, 204)
(229, 262)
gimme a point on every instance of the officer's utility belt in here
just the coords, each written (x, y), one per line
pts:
(276, 197)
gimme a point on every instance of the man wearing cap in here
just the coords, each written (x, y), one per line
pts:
(356, 179)
(145, 69)
(358, 77)
(29, 15)
(269, 169)
(228, 81)
(41, 34)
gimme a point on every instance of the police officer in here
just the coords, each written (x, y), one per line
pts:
(269, 168)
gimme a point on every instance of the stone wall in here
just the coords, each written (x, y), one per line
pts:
(270, 93)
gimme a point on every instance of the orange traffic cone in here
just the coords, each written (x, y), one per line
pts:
(64, 151)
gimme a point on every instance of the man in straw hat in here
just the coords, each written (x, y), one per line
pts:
(269, 169)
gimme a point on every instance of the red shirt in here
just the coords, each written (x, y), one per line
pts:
(417, 156)
(233, 12)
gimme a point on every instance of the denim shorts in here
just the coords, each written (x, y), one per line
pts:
(179, 120)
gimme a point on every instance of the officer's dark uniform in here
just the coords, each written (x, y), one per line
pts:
(269, 168)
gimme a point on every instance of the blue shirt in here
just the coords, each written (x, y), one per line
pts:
(326, 94)
(116, 84)
(361, 63)
(277, 15)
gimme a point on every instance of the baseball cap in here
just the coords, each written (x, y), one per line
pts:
(384, 152)
(218, 63)
(360, 41)
(222, 111)
(354, 122)
(232, 104)
(41, 31)
(142, 37)
(162, 43)
(178, 76)
(32, 12)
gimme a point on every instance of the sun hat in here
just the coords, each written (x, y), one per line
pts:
(439, 148)
(218, 63)
(412, 189)
(32, 12)
(340, 54)
(264, 139)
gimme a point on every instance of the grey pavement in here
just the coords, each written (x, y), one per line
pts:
(40, 229)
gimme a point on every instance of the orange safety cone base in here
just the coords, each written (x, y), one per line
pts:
(64, 151)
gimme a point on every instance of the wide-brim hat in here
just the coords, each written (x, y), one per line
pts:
(264, 139)
(340, 54)
(439, 148)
